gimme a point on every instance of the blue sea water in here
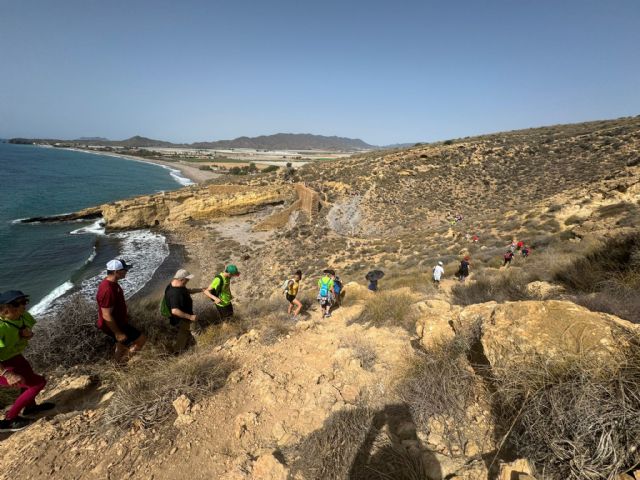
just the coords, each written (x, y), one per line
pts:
(48, 259)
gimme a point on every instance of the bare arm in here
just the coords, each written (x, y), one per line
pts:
(211, 295)
(107, 315)
(176, 312)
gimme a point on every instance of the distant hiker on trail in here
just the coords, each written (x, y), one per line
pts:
(220, 291)
(463, 271)
(373, 277)
(325, 292)
(519, 245)
(179, 306)
(291, 292)
(507, 258)
(15, 371)
(113, 318)
(513, 246)
(525, 251)
(475, 239)
(338, 290)
(438, 271)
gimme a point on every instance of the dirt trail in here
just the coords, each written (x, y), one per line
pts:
(279, 394)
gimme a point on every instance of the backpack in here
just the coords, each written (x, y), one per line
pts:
(165, 311)
(285, 285)
(337, 286)
(324, 289)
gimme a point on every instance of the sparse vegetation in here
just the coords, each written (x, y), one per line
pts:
(388, 309)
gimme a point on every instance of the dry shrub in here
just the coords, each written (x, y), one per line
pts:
(388, 309)
(330, 451)
(274, 328)
(576, 417)
(443, 387)
(363, 350)
(68, 337)
(145, 389)
(502, 287)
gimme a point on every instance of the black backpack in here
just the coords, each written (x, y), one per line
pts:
(216, 291)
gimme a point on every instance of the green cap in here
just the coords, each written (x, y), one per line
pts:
(232, 270)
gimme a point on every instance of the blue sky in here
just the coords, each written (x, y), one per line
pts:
(383, 71)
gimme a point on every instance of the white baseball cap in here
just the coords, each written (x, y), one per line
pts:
(440, 263)
(117, 264)
(183, 274)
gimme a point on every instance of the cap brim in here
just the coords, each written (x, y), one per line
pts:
(189, 277)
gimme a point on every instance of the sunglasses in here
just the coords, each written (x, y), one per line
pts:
(19, 303)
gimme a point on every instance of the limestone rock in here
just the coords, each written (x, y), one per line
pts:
(183, 405)
(544, 290)
(435, 321)
(520, 469)
(549, 329)
(267, 467)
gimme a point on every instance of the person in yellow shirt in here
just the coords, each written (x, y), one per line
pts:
(291, 293)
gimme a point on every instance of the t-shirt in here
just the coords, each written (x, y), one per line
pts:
(225, 292)
(11, 342)
(326, 281)
(294, 285)
(110, 295)
(437, 272)
(464, 267)
(178, 297)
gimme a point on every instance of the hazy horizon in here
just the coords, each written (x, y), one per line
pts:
(383, 73)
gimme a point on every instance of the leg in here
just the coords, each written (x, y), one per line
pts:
(31, 385)
(184, 335)
(298, 306)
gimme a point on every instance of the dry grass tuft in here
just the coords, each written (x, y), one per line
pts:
(363, 350)
(145, 389)
(388, 309)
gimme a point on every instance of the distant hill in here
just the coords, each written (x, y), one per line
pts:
(96, 139)
(279, 141)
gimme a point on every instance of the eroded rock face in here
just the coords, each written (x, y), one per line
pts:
(549, 329)
(192, 204)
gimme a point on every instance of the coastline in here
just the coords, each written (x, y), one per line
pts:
(193, 174)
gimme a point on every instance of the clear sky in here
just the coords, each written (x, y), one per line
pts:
(383, 71)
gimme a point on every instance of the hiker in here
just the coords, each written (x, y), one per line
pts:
(291, 292)
(15, 371)
(438, 271)
(113, 318)
(463, 271)
(325, 293)
(519, 245)
(179, 304)
(373, 277)
(525, 251)
(338, 290)
(513, 246)
(475, 239)
(507, 258)
(220, 291)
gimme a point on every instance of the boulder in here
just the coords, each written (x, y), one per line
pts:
(435, 320)
(520, 469)
(267, 467)
(547, 329)
(543, 290)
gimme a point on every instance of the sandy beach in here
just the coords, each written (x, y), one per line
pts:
(187, 171)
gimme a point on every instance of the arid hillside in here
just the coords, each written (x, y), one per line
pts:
(529, 370)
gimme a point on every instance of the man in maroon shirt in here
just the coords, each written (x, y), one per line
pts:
(113, 319)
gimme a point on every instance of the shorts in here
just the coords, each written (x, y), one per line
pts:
(226, 311)
(290, 298)
(130, 331)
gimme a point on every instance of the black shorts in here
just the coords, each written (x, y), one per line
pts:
(130, 331)
(226, 311)
(290, 298)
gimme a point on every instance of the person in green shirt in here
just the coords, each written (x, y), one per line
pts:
(220, 291)
(326, 294)
(15, 371)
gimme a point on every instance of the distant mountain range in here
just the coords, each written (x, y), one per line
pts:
(279, 141)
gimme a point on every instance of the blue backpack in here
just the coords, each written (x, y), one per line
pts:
(337, 286)
(324, 287)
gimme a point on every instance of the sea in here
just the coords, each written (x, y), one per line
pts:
(49, 261)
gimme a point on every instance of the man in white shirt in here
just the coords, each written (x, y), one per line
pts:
(438, 271)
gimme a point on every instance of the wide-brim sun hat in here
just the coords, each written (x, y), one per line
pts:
(11, 296)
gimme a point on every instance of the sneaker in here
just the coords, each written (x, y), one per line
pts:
(42, 407)
(14, 425)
